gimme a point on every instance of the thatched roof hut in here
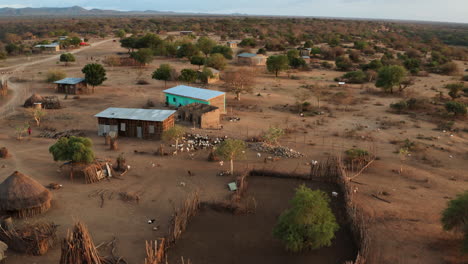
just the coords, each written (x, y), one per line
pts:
(35, 98)
(22, 196)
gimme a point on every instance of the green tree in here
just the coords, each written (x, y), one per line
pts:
(231, 149)
(297, 63)
(73, 149)
(188, 75)
(309, 223)
(143, 56)
(205, 75)
(95, 74)
(355, 77)
(198, 60)
(455, 217)
(294, 53)
(174, 133)
(187, 50)
(343, 63)
(454, 89)
(217, 61)
(457, 108)
(225, 50)
(129, 43)
(277, 64)
(120, 33)
(308, 44)
(412, 65)
(206, 45)
(248, 42)
(67, 57)
(163, 73)
(390, 76)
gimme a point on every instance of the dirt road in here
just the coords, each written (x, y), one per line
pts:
(7, 72)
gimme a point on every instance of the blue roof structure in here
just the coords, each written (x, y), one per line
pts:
(70, 81)
(246, 55)
(52, 45)
(136, 114)
(193, 92)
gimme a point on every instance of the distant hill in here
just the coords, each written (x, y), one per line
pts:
(72, 11)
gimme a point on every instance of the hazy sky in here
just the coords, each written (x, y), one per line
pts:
(431, 10)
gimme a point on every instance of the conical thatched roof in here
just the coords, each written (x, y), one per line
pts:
(35, 98)
(20, 192)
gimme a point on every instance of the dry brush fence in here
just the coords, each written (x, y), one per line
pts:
(332, 170)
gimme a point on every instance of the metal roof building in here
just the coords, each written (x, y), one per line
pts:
(184, 95)
(193, 92)
(155, 115)
(133, 122)
(246, 55)
(52, 45)
(70, 81)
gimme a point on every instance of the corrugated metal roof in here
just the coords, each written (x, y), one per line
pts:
(192, 92)
(70, 81)
(136, 114)
(52, 45)
(246, 55)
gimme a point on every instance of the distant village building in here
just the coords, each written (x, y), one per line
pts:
(215, 77)
(305, 51)
(62, 37)
(133, 122)
(186, 32)
(306, 58)
(184, 95)
(53, 47)
(200, 115)
(251, 59)
(232, 44)
(72, 86)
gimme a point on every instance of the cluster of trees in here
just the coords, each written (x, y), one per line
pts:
(166, 73)
(204, 52)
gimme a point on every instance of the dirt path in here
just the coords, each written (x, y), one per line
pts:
(5, 108)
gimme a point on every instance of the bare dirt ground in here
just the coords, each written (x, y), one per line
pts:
(406, 230)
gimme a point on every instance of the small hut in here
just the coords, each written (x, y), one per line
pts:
(22, 196)
(34, 99)
(46, 102)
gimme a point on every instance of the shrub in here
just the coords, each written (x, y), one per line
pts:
(455, 216)
(465, 78)
(399, 106)
(356, 153)
(457, 108)
(343, 63)
(356, 77)
(449, 68)
(454, 89)
(309, 223)
(55, 75)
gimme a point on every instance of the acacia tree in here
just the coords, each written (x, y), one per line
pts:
(240, 81)
(143, 56)
(217, 61)
(73, 149)
(390, 76)
(231, 149)
(197, 60)
(67, 57)
(174, 133)
(95, 74)
(163, 73)
(277, 64)
(205, 45)
(273, 135)
(37, 114)
(309, 223)
(454, 217)
(188, 75)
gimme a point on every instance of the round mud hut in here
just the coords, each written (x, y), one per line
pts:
(35, 98)
(22, 196)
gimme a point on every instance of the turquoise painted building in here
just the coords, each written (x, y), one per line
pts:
(184, 95)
